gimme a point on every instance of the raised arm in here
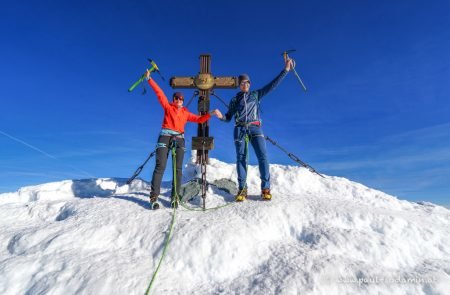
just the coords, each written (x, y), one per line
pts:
(158, 91)
(274, 83)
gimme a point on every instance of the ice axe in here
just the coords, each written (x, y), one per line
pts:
(285, 54)
(154, 68)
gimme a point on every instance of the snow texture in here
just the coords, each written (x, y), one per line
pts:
(317, 236)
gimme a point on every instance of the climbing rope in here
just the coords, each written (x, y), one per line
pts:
(166, 245)
(175, 197)
(247, 156)
(172, 223)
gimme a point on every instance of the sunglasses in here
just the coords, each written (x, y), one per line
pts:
(245, 82)
(179, 98)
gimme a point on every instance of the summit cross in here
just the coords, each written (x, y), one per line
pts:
(205, 82)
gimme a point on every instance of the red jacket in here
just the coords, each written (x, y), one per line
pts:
(174, 117)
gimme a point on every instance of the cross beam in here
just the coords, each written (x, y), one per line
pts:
(205, 81)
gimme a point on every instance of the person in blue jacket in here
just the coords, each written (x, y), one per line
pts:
(245, 107)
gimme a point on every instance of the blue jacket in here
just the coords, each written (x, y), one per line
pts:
(245, 105)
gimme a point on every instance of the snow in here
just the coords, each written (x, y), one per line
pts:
(317, 236)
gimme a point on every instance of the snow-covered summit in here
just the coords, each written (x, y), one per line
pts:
(317, 236)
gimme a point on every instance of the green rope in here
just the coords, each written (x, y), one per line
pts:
(166, 245)
(247, 139)
(172, 223)
(174, 164)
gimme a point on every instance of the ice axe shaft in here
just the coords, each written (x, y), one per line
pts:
(136, 83)
(299, 79)
(154, 68)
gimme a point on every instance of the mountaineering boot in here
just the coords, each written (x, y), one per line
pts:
(154, 201)
(265, 194)
(241, 196)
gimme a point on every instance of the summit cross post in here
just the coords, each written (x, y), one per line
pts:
(205, 82)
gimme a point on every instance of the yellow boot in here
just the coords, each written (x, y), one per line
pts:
(241, 196)
(265, 194)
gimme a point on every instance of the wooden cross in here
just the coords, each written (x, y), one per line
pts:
(205, 81)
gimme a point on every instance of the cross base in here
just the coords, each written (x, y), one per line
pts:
(202, 143)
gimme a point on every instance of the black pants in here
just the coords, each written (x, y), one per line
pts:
(165, 144)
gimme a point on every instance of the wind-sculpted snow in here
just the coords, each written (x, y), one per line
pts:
(317, 236)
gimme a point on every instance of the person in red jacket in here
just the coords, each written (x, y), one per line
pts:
(172, 134)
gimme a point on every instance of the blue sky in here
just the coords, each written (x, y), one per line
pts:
(376, 111)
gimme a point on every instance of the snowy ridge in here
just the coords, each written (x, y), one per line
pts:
(317, 236)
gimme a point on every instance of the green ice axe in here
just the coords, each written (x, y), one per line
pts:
(154, 68)
(286, 56)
